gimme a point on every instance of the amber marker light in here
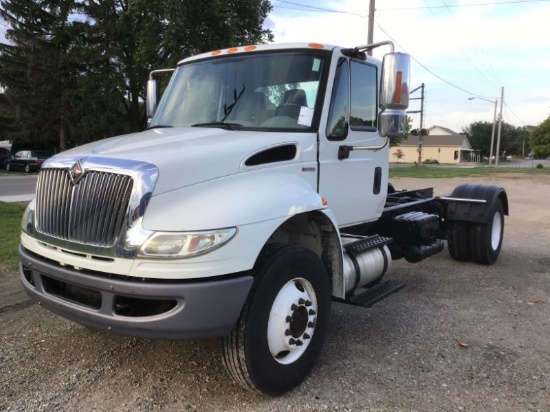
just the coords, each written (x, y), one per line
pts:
(398, 84)
(233, 50)
(316, 46)
(215, 53)
(250, 48)
(324, 201)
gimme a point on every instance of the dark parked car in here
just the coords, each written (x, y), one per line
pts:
(27, 160)
(4, 154)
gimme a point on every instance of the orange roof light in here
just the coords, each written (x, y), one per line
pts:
(250, 48)
(233, 50)
(316, 46)
(215, 53)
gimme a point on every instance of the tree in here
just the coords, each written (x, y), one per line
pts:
(399, 154)
(74, 71)
(539, 139)
(34, 70)
(511, 140)
(141, 35)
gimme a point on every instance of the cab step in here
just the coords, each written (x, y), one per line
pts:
(376, 293)
(366, 243)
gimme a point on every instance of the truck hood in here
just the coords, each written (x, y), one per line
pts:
(183, 156)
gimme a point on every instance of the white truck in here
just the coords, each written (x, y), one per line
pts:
(256, 196)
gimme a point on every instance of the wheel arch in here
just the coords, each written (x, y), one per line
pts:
(460, 210)
(318, 232)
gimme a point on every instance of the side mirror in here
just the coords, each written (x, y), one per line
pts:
(152, 97)
(153, 92)
(394, 94)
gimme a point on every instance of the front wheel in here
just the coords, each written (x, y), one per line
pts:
(486, 239)
(281, 329)
(8, 167)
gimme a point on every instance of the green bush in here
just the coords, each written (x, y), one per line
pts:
(430, 162)
(540, 166)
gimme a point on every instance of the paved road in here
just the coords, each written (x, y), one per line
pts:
(17, 188)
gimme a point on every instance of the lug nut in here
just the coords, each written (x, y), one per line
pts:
(306, 336)
(301, 301)
(292, 341)
(311, 312)
(310, 325)
(299, 342)
(308, 303)
(288, 319)
(288, 332)
(293, 307)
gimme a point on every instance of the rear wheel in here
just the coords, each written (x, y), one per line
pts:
(8, 167)
(281, 329)
(458, 241)
(486, 239)
(27, 168)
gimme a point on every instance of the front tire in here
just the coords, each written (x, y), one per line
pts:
(27, 169)
(282, 326)
(486, 239)
(8, 167)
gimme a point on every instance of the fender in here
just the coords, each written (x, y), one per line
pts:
(232, 201)
(464, 211)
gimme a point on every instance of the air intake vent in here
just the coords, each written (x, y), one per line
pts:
(91, 212)
(273, 155)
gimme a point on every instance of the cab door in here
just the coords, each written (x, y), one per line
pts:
(354, 187)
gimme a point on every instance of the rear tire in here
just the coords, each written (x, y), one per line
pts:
(458, 241)
(8, 167)
(282, 326)
(486, 239)
(27, 169)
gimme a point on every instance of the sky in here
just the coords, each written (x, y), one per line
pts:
(459, 49)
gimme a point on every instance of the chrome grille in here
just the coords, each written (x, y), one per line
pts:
(90, 212)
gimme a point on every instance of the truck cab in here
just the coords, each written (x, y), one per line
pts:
(257, 195)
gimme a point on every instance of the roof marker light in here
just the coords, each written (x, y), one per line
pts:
(250, 48)
(316, 46)
(233, 50)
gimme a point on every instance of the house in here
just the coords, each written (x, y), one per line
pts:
(442, 144)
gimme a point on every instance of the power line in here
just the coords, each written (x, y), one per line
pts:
(517, 117)
(318, 9)
(428, 70)
(447, 6)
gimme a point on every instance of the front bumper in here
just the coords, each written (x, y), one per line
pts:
(153, 309)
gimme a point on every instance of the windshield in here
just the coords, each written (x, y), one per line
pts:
(271, 91)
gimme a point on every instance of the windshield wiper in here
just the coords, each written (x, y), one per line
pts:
(223, 125)
(227, 109)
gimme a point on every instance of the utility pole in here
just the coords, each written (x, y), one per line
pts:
(420, 141)
(499, 126)
(370, 36)
(421, 132)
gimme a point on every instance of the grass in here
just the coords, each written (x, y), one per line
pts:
(10, 229)
(429, 172)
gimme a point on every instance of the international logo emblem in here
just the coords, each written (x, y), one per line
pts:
(76, 172)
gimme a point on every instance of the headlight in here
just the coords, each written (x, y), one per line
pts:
(27, 222)
(179, 245)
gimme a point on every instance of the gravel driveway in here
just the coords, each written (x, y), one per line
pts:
(458, 337)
